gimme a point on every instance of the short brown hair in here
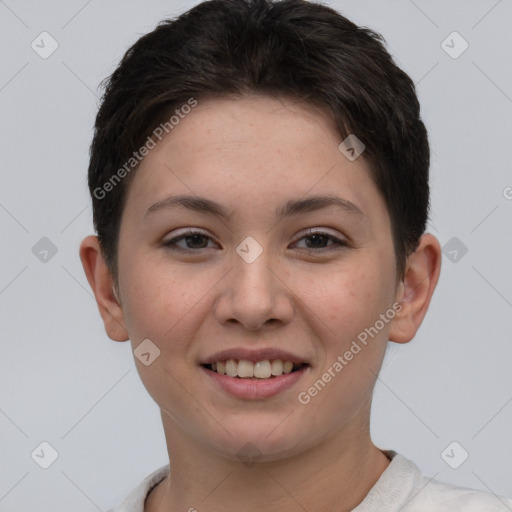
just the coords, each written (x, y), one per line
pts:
(293, 48)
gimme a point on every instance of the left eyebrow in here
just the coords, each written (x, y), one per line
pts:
(291, 207)
(315, 203)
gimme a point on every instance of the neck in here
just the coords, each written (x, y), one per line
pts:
(335, 475)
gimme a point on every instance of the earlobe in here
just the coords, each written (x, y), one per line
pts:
(102, 285)
(415, 292)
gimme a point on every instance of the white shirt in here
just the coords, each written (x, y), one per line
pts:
(400, 488)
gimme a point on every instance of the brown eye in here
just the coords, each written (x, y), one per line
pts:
(318, 241)
(193, 241)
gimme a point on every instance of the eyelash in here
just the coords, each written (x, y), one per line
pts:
(171, 244)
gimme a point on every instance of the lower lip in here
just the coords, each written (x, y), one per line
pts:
(256, 389)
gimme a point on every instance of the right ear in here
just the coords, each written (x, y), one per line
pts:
(102, 285)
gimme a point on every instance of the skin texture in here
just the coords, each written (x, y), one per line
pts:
(252, 155)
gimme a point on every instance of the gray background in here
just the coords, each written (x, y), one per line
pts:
(64, 382)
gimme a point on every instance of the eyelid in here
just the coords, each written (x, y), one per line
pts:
(315, 231)
(190, 231)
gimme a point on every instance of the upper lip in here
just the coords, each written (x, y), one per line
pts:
(246, 354)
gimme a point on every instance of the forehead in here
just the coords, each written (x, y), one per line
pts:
(247, 152)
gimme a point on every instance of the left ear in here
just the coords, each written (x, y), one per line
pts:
(423, 267)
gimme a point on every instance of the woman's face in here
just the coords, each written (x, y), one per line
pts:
(273, 277)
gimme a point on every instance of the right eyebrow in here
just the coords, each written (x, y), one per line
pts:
(195, 203)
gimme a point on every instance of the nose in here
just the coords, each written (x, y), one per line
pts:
(255, 295)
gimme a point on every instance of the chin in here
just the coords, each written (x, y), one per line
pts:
(255, 442)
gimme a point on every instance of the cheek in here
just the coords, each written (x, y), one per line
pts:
(348, 302)
(154, 299)
(163, 301)
(352, 300)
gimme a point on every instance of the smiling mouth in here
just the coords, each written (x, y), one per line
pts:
(243, 369)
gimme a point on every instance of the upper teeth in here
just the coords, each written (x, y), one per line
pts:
(261, 369)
